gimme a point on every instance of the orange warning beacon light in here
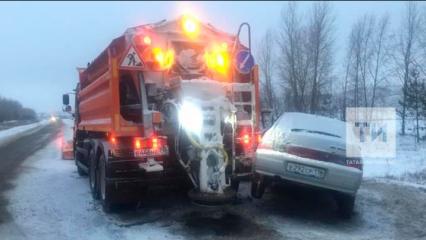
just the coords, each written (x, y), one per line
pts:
(190, 25)
(164, 58)
(217, 58)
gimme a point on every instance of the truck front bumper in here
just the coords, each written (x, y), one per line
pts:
(131, 172)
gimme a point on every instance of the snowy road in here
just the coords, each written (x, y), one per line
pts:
(48, 200)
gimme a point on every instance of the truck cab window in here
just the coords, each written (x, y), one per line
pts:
(130, 102)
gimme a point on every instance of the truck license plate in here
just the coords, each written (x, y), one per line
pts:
(150, 152)
(305, 170)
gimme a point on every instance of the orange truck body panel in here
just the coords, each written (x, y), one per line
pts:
(99, 101)
(99, 107)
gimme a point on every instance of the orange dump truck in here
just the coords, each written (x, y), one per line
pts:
(172, 102)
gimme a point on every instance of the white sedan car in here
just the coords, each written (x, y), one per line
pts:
(310, 150)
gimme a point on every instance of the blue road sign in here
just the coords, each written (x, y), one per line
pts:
(244, 61)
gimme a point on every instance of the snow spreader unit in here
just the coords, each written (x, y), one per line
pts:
(166, 103)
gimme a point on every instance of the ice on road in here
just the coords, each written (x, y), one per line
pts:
(51, 201)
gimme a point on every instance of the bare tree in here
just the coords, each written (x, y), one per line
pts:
(346, 79)
(379, 55)
(407, 46)
(13, 110)
(415, 93)
(358, 40)
(320, 42)
(266, 63)
(367, 61)
(292, 62)
(305, 57)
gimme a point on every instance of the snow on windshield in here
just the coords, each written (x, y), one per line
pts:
(302, 122)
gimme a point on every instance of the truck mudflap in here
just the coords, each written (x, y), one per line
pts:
(67, 150)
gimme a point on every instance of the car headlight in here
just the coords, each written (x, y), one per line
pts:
(53, 119)
(191, 117)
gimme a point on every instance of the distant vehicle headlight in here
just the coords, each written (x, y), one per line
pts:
(53, 119)
(191, 117)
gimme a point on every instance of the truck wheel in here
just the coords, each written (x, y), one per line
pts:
(106, 190)
(257, 186)
(93, 175)
(345, 205)
(235, 185)
(80, 171)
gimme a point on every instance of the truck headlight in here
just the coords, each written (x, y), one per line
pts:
(191, 117)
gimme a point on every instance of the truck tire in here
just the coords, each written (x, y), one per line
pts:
(106, 190)
(257, 186)
(345, 205)
(93, 175)
(235, 184)
(80, 171)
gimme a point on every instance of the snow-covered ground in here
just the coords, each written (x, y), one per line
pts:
(51, 201)
(14, 133)
(410, 158)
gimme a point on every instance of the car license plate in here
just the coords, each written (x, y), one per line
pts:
(305, 170)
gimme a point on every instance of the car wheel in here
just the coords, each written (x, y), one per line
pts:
(346, 205)
(93, 175)
(257, 186)
(106, 190)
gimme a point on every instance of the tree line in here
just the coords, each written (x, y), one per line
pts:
(302, 71)
(13, 110)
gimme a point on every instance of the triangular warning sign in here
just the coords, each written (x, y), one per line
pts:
(132, 59)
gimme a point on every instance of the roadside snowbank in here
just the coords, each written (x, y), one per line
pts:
(410, 158)
(9, 135)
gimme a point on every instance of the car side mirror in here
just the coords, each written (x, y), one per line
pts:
(65, 99)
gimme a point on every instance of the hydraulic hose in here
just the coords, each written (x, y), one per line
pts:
(198, 146)
(201, 147)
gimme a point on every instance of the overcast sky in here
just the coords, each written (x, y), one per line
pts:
(41, 44)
